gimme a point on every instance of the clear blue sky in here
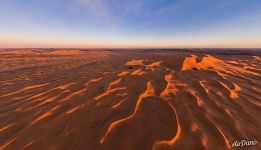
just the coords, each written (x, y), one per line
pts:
(130, 23)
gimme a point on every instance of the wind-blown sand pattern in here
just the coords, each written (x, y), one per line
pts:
(128, 99)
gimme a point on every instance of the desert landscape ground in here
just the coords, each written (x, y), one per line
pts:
(77, 99)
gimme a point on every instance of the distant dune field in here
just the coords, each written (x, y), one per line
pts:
(129, 99)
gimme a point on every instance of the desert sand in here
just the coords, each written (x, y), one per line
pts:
(129, 99)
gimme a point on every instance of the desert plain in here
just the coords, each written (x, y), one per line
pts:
(112, 99)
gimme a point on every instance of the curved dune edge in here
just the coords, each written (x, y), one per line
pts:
(149, 92)
(135, 62)
(169, 90)
(209, 62)
(175, 138)
(66, 52)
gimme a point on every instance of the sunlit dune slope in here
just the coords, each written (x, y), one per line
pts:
(131, 100)
(19, 52)
(66, 52)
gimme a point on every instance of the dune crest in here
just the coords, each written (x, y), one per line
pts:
(135, 62)
(170, 88)
(149, 92)
(206, 63)
(174, 139)
(209, 62)
(138, 72)
(66, 52)
(233, 92)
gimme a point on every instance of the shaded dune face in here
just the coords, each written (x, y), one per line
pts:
(166, 101)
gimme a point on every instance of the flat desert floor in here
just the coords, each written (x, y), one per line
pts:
(129, 99)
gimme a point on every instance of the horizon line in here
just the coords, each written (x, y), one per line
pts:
(130, 48)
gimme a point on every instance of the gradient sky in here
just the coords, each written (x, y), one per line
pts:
(130, 23)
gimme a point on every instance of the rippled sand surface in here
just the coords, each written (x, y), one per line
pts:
(128, 99)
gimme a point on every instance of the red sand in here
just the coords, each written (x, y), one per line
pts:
(74, 99)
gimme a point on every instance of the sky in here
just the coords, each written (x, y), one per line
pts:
(130, 23)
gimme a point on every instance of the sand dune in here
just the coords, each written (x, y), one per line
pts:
(19, 52)
(131, 100)
(66, 52)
